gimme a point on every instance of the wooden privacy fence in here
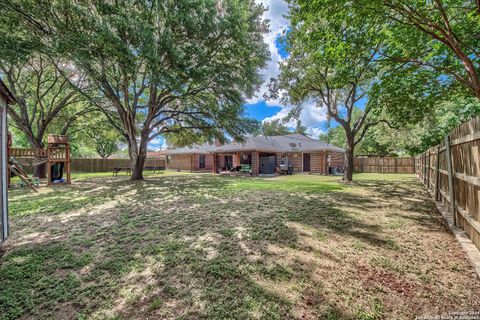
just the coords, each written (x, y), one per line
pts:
(451, 172)
(105, 165)
(384, 164)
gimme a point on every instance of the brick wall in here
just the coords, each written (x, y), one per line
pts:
(180, 162)
(337, 159)
(318, 162)
(185, 161)
(255, 163)
(294, 158)
(209, 162)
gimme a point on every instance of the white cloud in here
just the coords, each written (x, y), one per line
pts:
(277, 9)
(312, 116)
(314, 132)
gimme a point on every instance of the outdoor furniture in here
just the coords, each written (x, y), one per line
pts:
(116, 170)
(286, 169)
(245, 168)
(153, 168)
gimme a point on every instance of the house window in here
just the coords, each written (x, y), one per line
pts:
(201, 161)
(168, 159)
(246, 158)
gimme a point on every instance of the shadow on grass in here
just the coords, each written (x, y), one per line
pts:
(172, 247)
(410, 195)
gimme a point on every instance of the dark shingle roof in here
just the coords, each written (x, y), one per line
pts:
(286, 143)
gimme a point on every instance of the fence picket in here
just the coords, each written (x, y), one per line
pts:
(384, 164)
(450, 179)
(457, 176)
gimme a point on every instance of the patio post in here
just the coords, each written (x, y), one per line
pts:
(255, 163)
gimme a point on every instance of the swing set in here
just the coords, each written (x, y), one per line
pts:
(56, 156)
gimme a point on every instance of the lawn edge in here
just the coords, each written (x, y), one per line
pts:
(470, 249)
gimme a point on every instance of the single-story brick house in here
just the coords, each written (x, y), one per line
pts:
(264, 154)
(194, 158)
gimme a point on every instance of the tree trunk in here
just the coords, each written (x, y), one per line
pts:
(348, 174)
(40, 170)
(137, 170)
(139, 157)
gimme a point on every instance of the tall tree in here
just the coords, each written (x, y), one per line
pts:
(300, 128)
(440, 36)
(159, 66)
(92, 135)
(43, 94)
(274, 128)
(331, 62)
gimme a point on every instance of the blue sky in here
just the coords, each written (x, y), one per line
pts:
(313, 116)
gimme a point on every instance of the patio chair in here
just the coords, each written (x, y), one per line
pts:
(245, 168)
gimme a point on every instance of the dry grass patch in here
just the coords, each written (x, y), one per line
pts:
(209, 247)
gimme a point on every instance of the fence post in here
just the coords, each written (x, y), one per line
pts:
(437, 174)
(425, 169)
(450, 180)
(428, 170)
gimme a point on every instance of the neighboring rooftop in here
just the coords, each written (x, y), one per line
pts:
(286, 143)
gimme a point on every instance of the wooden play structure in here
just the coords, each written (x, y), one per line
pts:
(56, 156)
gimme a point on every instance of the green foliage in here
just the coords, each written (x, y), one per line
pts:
(412, 139)
(428, 50)
(46, 102)
(274, 128)
(300, 128)
(94, 135)
(432, 130)
(332, 63)
(435, 40)
(159, 67)
(335, 136)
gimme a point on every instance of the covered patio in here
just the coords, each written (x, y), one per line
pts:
(239, 162)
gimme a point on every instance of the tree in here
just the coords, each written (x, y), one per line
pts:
(449, 114)
(105, 145)
(334, 136)
(274, 128)
(437, 36)
(94, 135)
(160, 67)
(380, 140)
(43, 95)
(332, 63)
(300, 129)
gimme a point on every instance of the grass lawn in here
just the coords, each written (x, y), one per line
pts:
(193, 246)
